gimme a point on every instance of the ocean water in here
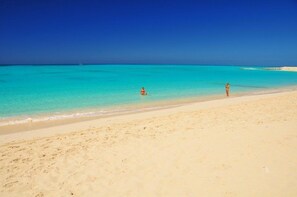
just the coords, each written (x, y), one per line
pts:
(33, 90)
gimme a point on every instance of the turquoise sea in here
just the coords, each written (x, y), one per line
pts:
(30, 90)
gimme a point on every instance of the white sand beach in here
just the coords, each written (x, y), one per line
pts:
(287, 68)
(283, 68)
(243, 146)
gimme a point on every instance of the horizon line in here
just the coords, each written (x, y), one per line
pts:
(82, 64)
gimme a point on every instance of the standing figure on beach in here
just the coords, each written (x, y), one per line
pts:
(227, 87)
(143, 92)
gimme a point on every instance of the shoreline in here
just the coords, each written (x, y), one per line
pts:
(44, 130)
(15, 125)
(282, 68)
(240, 146)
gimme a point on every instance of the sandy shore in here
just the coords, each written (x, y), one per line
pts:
(286, 68)
(283, 68)
(244, 146)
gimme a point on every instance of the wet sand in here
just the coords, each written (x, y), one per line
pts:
(243, 146)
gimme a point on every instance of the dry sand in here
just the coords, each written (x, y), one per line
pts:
(286, 68)
(283, 68)
(243, 146)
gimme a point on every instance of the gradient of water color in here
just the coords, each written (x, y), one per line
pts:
(31, 90)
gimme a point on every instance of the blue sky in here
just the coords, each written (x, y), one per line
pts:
(148, 32)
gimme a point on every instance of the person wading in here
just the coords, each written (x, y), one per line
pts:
(227, 87)
(143, 92)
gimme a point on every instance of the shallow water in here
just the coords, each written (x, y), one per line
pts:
(34, 90)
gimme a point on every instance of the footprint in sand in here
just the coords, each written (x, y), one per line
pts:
(266, 169)
(8, 185)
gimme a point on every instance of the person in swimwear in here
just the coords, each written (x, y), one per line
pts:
(143, 92)
(227, 87)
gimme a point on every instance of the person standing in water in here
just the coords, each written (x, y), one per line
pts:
(227, 87)
(143, 92)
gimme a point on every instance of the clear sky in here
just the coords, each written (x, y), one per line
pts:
(242, 32)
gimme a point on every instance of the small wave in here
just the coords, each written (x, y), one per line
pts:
(249, 68)
(100, 113)
(17, 121)
(8, 122)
